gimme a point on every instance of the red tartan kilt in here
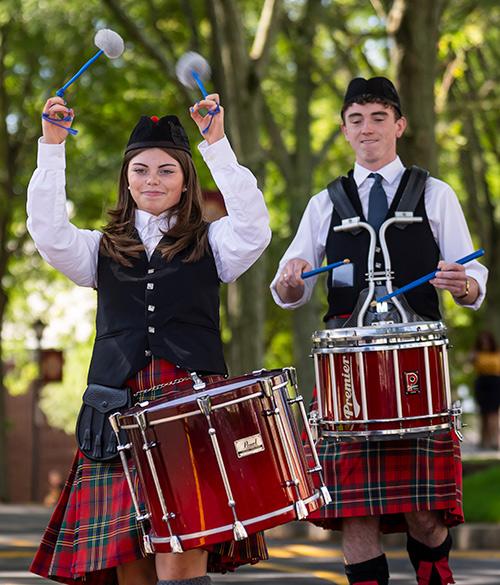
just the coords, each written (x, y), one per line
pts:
(389, 478)
(93, 527)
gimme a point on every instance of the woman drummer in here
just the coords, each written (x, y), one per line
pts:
(156, 266)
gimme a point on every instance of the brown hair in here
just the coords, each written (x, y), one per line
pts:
(485, 341)
(371, 99)
(190, 230)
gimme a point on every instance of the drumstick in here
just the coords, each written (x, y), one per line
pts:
(325, 268)
(427, 277)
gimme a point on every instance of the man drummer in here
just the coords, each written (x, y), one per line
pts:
(411, 485)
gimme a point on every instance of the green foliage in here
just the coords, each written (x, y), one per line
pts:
(481, 495)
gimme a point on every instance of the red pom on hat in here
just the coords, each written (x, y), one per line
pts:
(155, 119)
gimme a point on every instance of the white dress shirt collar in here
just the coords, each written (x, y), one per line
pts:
(145, 221)
(391, 172)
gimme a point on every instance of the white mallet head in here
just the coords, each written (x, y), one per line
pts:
(188, 63)
(109, 42)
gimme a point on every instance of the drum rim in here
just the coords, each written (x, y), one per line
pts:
(405, 330)
(245, 521)
(327, 349)
(214, 389)
(378, 433)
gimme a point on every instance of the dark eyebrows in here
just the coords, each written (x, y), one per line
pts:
(356, 115)
(147, 166)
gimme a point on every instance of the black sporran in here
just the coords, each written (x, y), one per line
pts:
(94, 434)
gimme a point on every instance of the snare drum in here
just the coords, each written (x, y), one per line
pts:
(222, 462)
(384, 381)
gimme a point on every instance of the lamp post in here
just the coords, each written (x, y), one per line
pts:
(38, 328)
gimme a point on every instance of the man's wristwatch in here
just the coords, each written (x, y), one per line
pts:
(467, 290)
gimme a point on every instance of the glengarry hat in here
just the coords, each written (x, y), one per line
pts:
(154, 132)
(378, 87)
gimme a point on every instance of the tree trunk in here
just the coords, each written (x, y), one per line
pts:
(6, 190)
(4, 495)
(416, 32)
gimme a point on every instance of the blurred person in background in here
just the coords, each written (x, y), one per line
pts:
(486, 360)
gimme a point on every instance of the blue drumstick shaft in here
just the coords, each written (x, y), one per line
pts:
(199, 82)
(429, 276)
(60, 92)
(324, 268)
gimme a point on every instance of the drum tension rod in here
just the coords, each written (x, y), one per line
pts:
(143, 424)
(205, 406)
(141, 518)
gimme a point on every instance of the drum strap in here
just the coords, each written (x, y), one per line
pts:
(413, 191)
(372, 572)
(410, 197)
(341, 202)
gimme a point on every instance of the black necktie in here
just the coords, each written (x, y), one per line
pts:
(377, 204)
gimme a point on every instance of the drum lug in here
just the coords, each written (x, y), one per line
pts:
(198, 383)
(301, 510)
(113, 421)
(295, 400)
(205, 405)
(175, 544)
(456, 416)
(325, 495)
(291, 373)
(267, 387)
(239, 531)
(150, 445)
(148, 547)
(314, 425)
(142, 421)
(315, 469)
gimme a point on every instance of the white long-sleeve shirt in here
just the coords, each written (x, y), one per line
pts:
(443, 209)
(237, 240)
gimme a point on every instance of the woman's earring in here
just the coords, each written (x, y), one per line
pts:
(185, 189)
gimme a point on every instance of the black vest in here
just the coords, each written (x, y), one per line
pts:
(165, 309)
(413, 252)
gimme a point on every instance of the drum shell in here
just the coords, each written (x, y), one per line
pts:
(398, 360)
(188, 471)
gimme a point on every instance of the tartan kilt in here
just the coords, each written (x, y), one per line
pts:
(93, 528)
(389, 478)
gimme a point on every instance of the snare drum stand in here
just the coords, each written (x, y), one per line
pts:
(375, 278)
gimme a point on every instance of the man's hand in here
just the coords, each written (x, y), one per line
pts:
(290, 286)
(452, 277)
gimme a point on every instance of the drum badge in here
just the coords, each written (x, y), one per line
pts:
(249, 445)
(412, 383)
(351, 403)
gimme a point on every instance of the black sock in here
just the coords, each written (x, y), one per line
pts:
(420, 553)
(374, 570)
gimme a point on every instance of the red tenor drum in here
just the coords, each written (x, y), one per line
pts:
(221, 462)
(383, 382)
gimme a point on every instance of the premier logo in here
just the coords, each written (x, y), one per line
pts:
(351, 405)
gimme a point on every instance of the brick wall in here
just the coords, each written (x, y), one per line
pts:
(54, 451)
